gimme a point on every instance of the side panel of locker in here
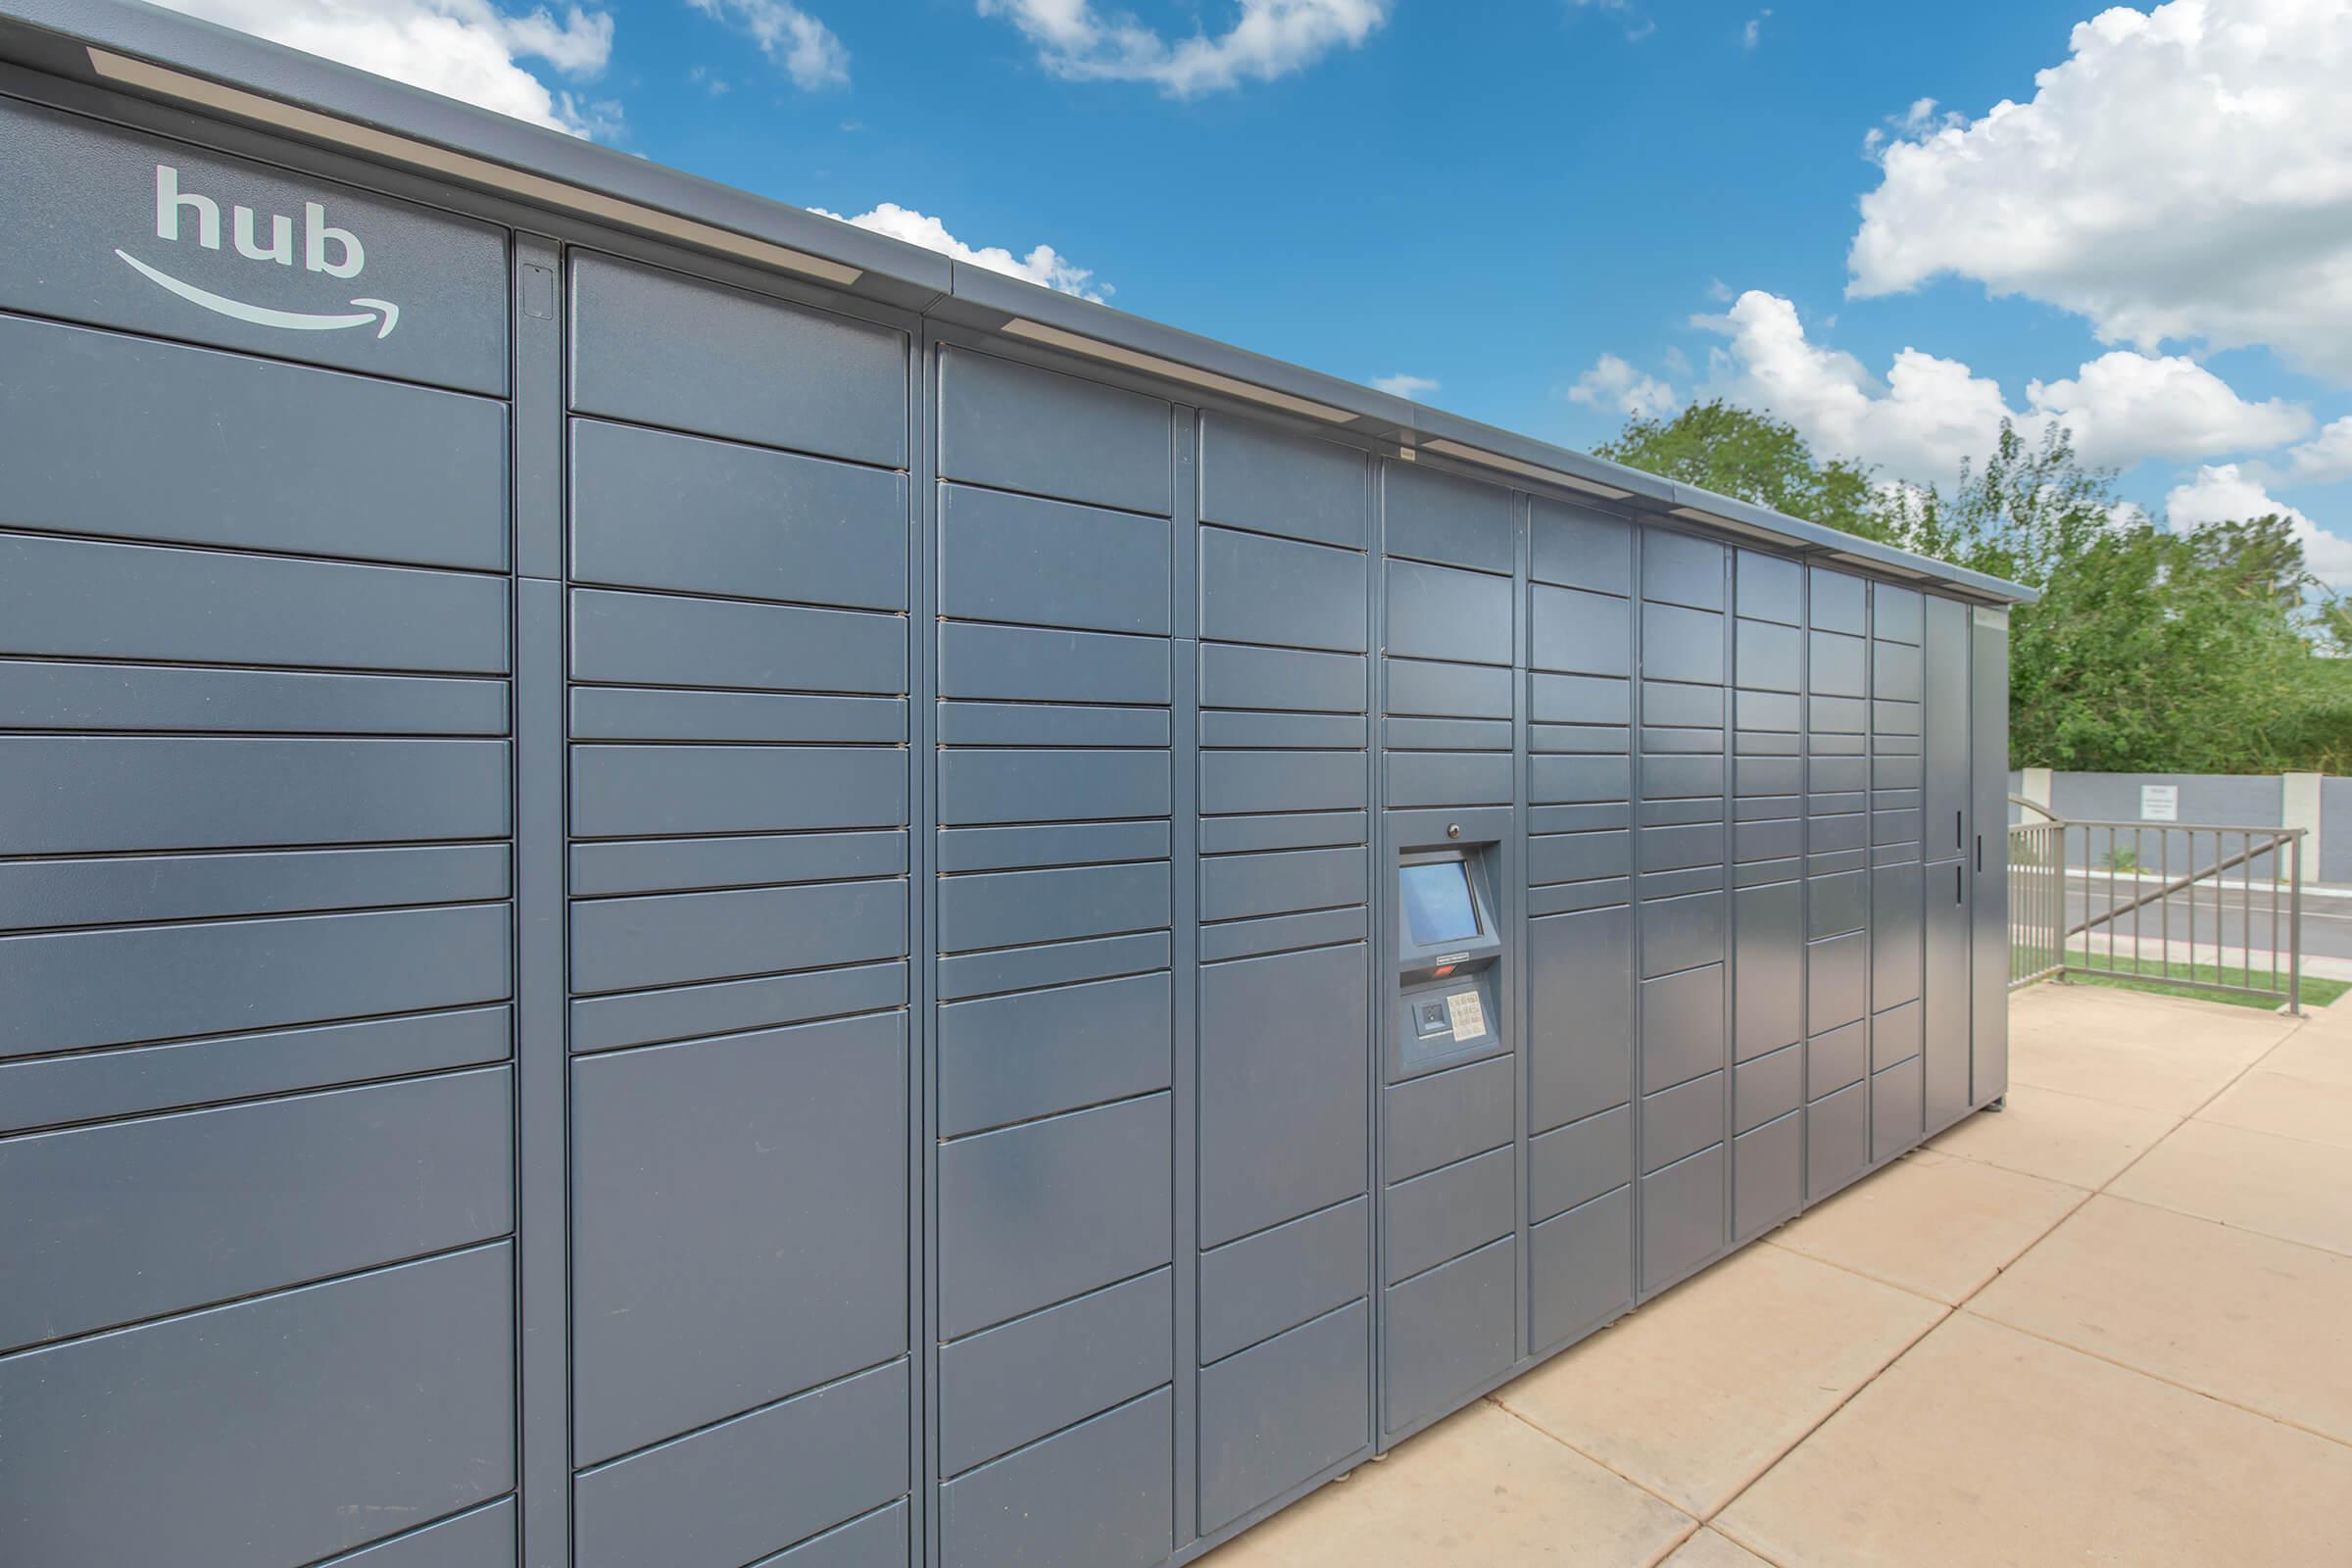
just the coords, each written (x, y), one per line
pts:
(1989, 925)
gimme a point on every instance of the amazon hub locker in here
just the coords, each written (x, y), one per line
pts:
(681, 887)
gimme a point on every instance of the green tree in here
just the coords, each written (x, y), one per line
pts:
(1752, 456)
(2149, 650)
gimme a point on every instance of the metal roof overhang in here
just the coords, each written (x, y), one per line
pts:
(174, 59)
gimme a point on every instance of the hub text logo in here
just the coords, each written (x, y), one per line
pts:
(184, 216)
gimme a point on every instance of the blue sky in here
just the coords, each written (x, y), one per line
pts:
(1553, 211)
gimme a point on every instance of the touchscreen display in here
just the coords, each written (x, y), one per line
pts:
(1437, 903)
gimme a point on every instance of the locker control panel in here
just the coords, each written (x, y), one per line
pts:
(1448, 952)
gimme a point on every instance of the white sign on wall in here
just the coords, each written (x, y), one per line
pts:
(2160, 803)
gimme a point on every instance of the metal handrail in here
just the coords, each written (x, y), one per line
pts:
(2032, 804)
(2048, 874)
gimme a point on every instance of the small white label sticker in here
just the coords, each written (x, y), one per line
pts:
(1468, 1014)
(2160, 803)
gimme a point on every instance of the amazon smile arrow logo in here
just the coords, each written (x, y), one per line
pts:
(326, 249)
(373, 310)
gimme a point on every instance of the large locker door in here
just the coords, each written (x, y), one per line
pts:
(1989, 746)
(1947, 988)
(1946, 984)
(739, 662)
(256, 871)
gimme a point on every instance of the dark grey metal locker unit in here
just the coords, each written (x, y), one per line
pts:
(738, 954)
(1681, 787)
(1579, 936)
(255, 795)
(708, 890)
(1447, 1231)
(1282, 1215)
(1836, 880)
(1768, 897)
(1055, 1285)
(1896, 906)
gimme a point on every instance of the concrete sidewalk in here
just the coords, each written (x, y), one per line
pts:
(2113, 1325)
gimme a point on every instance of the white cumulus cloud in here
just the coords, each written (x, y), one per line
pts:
(1405, 386)
(2227, 494)
(1614, 385)
(1270, 38)
(2185, 174)
(807, 50)
(1929, 412)
(469, 50)
(1042, 264)
(2123, 406)
(2325, 458)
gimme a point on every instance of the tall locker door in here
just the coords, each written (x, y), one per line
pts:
(1946, 984)
(256, 849)
(1988, 749)
(1946, 989)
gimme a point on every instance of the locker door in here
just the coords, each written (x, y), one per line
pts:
(1989, 747)
(1947, 993)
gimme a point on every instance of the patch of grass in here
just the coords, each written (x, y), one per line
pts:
(2317, 993)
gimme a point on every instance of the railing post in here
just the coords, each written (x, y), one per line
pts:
(2294, 929)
